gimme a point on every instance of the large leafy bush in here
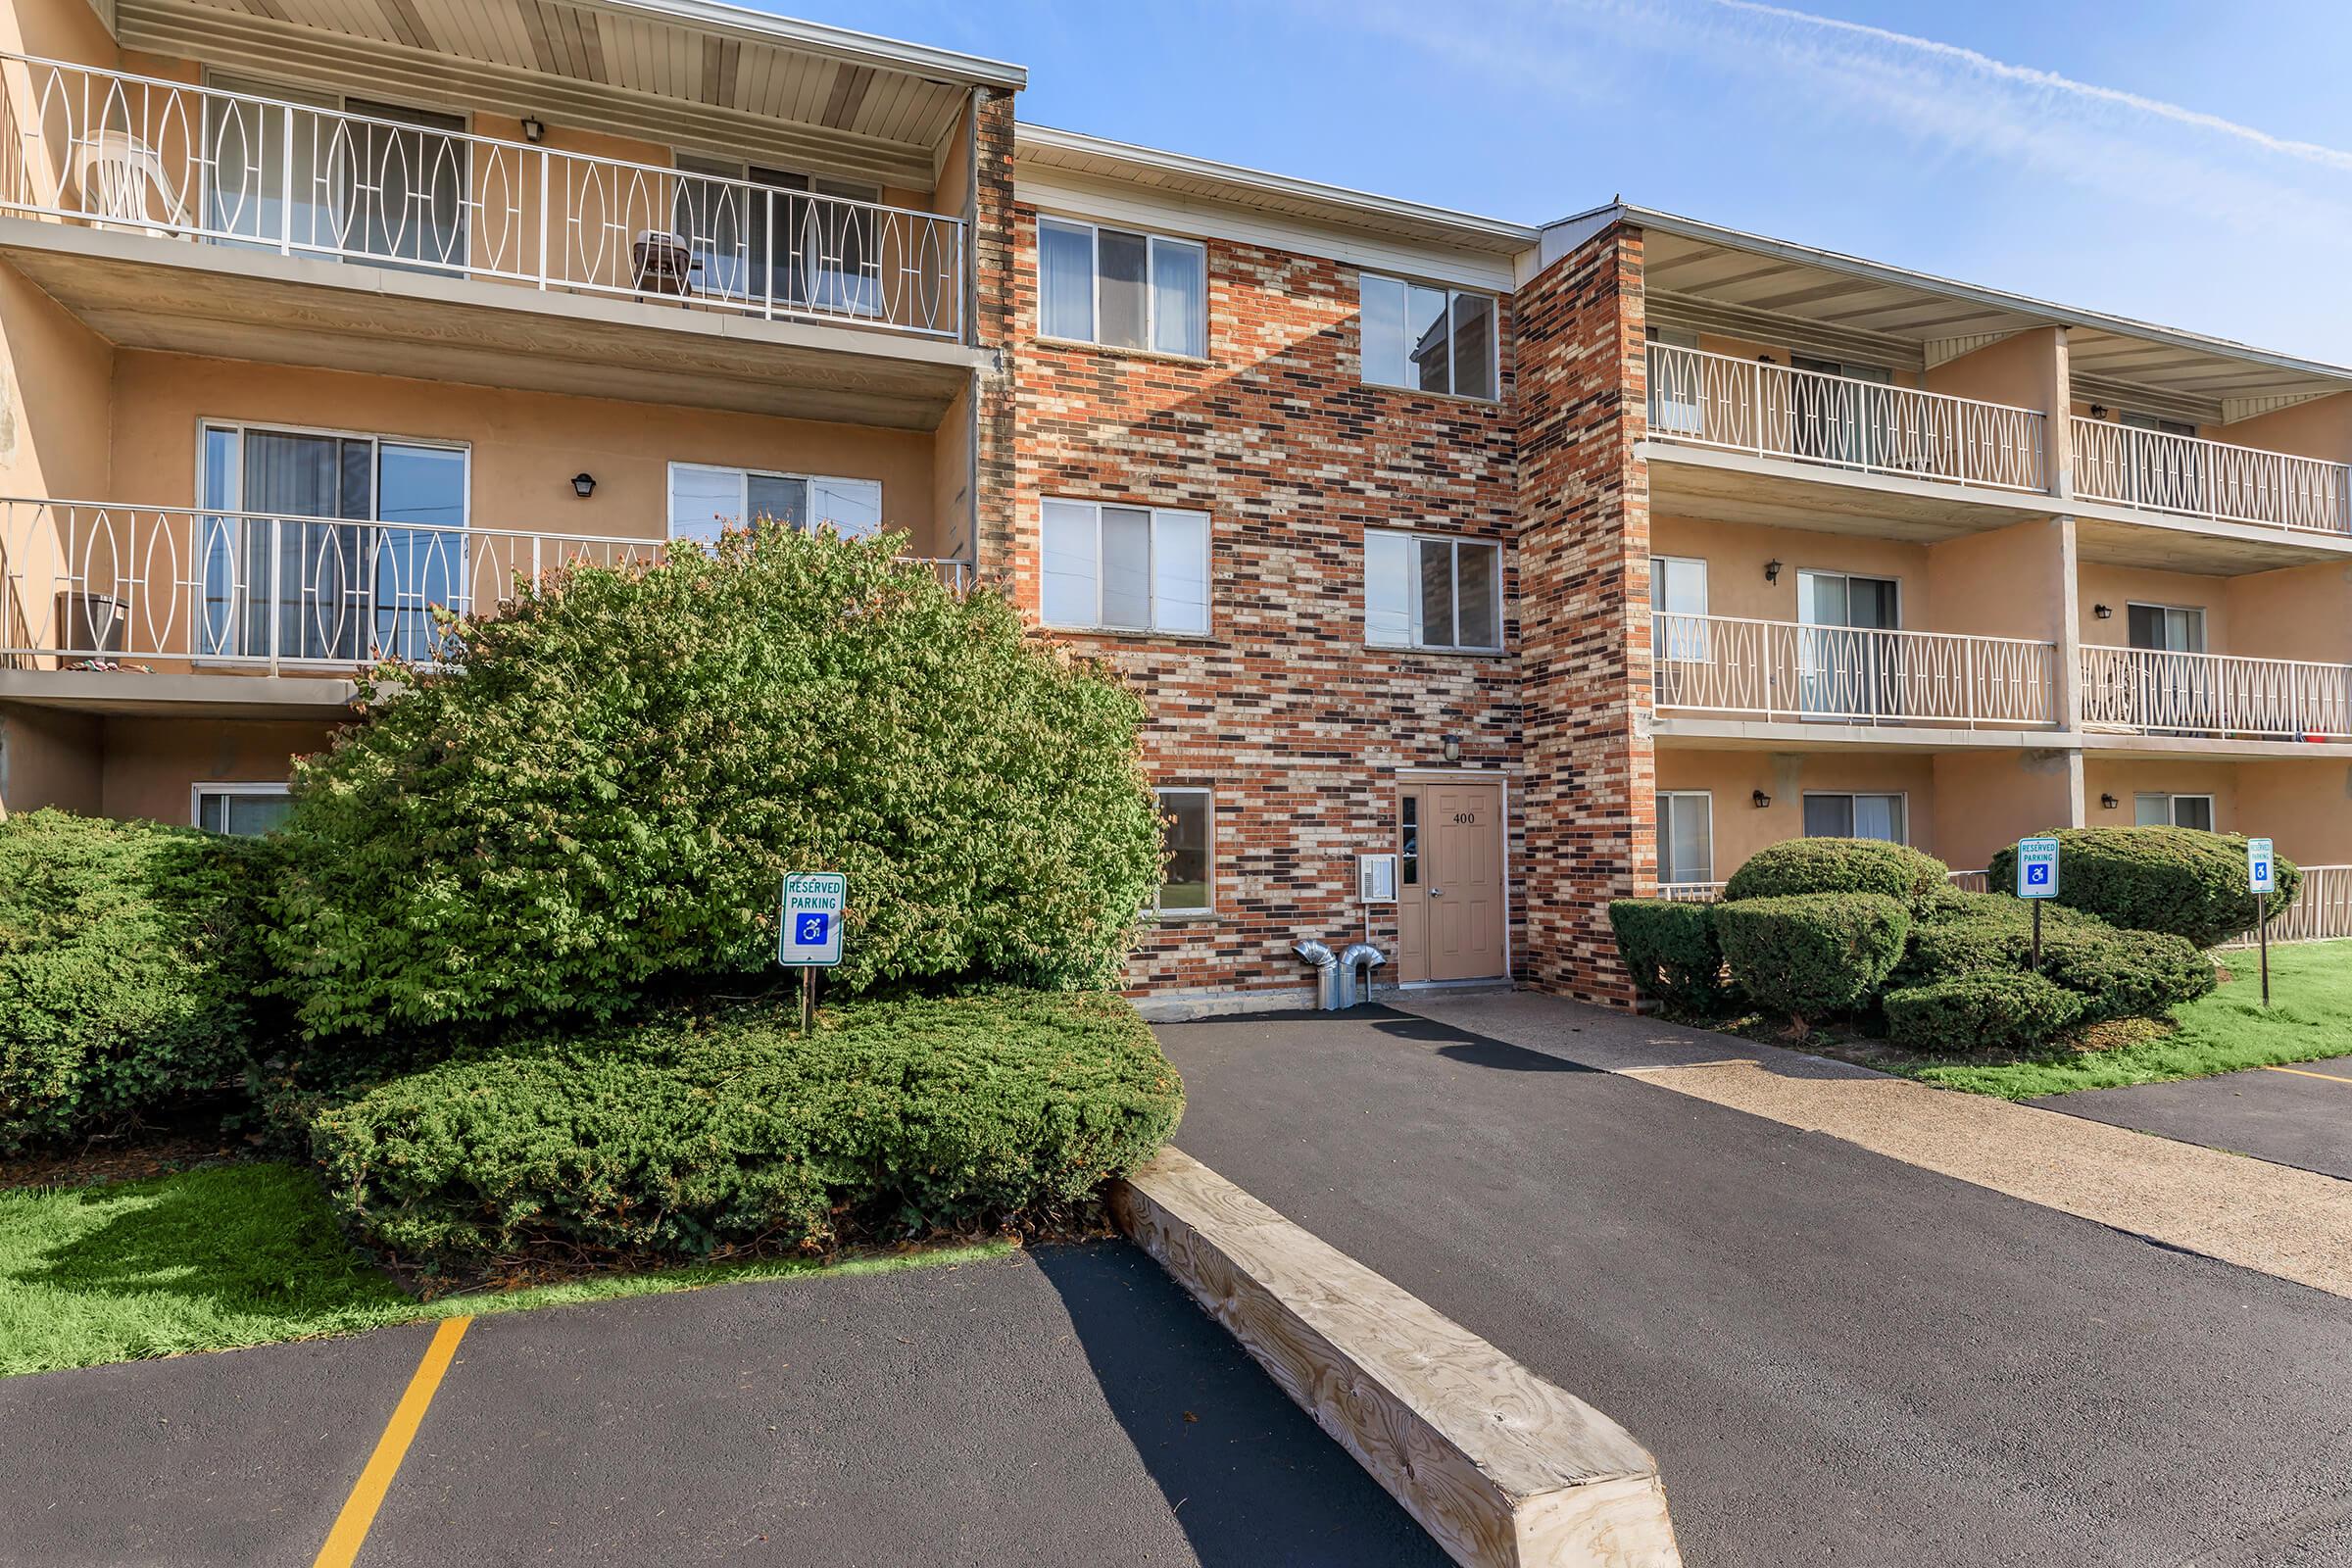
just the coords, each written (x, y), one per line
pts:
(126, 969)
(2178, 879)
(690, 1132)
(1669, 949)
(1812, 953)
(599, 794)
(1838, 866)
(2113, 972)
(1987, 1009)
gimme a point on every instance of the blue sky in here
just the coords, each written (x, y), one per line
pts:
(2185, 163)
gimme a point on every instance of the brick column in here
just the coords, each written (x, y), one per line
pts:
(992, 319)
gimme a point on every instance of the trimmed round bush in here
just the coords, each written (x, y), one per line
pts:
(1840, 866)
(127, 967)
(1814, 954)
(2178, 879)
(1989, 1011)
(692, 1132)
(1670, 948)
(598, 794)
(2126, 974)
(1962, 932)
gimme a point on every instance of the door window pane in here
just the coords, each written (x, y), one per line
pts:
(1123, 260)
(1065, 258)
(1473, 345)
(1185, 839)
(2151, 810)
(1828, 817)
(1878, 817)
(2194, 810)
(418, 567)
(408, 185)
(1126, 567)
(1070, 563)
(1179, 298)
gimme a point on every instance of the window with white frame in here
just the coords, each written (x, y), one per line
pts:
(1686, 836)
(1186, 827)
(1126, 568)
(1427, 339)
(1430, 591)
(1122, 289)
(246, 810)
(704, 498)
(1677, 607)
(2158, 810)
(1886, 817)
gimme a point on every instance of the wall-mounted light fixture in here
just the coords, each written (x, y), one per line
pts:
(2108, 802)
(1772, 570)
(2098, 410)
(2103, 611)
(583, 485)
(1454, 747)
(534, 129)
(1759, 799)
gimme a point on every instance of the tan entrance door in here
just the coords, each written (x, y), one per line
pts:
(1450, 912)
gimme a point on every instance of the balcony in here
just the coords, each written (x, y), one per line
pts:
(1719, 666)
(2139, 691)
(2187, 476)
(147, 156)
(103, 590)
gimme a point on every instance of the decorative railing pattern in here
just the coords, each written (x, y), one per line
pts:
(2158, 693)
(2160, 471)
(176, 160)
(1775, 670)
(2322, 911)
(87, 582)
(1716, 400)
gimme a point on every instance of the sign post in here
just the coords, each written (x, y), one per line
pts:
(2262, 879)
(809, 938)
(2036, 880)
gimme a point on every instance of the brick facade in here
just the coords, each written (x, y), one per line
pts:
(1282, 710)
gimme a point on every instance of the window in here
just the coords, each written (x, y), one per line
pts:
(1122, 289)
(247, 810)
(759, 234)
(1408, 842)
(1185, 818)
(2173, 811)
(1678, 592)
(1427, 339)
(1686, 836)
(2167, 629)
(394, 193)
(1857, 817)
(1423, 591)
(1130, 568)
(704, 500)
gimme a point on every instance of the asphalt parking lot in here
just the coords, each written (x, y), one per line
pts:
(2297, 1115)
(1837, 1357)
(1067, 1405)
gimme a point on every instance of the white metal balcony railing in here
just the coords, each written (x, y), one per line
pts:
(1716, 400)
(2215, 695)
(2322, 911)
(1710, 892)
(171, 158)
(1775, 669)
(2160, 471)
(86, 582)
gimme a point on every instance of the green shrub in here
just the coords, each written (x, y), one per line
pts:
(126, 969)
(602, 793)
(690, 1132)
(1965, 932)
(1795, 867)
(1812, 953)
(2126, 974)
(1995, 1009)
(2178, 879)
(1670, 948)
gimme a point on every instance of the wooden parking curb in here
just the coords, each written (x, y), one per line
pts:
(1500, 1467)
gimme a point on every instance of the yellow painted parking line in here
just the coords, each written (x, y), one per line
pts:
(359, 1509)
(2302, 1072)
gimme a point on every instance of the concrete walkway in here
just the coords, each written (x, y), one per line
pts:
(2294, 1224)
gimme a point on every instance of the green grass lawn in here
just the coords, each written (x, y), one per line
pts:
(246, 1255)
(2310, 1016)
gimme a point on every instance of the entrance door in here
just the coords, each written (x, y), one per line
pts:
(1450, 881)
(1843, 671)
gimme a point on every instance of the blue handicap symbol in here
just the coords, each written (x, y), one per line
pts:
(2262, 870)
(808, 930)
(2037, 874)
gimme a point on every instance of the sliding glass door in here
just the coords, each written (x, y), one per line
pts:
(1844, 672)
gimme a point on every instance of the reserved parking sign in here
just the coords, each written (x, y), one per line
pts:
(2038, 868)
(2262, 866)
(810, 938)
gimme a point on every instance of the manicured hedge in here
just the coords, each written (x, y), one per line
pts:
(128, 969)
(1812, 955)
(698, 1131)
(598, 794)
(1995, 1009)
(2176, 879)
(1669, 949)
(1838, 866)
(2116, 973)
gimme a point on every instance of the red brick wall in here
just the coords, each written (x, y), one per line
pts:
(1584, 571)
(1282, 710)
(993, 262)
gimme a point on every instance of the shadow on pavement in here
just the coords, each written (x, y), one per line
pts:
(1460, 1045)
(1250, 1477)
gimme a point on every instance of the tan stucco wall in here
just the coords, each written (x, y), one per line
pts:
(59, 30)
(1986, 800)
(1735, 553)
(2006, 582)
(49, 758)
(151, 763)
(2320, 428)
(1732, 777)
(2022, 370)
(526, 446)
(2305, 806)
(2299, 613)
(2123, 777)
(951, 500)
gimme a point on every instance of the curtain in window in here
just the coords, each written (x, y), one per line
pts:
(1070, 563)
(318, 581)
(1179, 299)
(408, 187)
(1066, 261)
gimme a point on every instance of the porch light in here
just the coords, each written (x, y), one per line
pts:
(1772, 570)
(1454, 747)
(2108, 802)
(534, 129)
(1759, 799)
(583, 485)
(2103, 611)
(2098, 410)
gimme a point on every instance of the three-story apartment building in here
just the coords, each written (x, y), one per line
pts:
(1473, 572)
